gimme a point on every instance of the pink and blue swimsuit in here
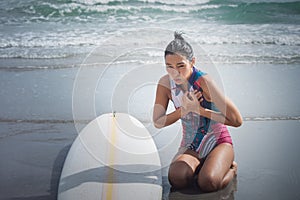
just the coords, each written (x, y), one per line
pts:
(200, 134)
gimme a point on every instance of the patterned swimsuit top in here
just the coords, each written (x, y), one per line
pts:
(195, 126)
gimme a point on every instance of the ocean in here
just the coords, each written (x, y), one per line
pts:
(248, 31)
(65, 62)
(61, 36)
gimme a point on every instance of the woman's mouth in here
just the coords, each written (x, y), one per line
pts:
(177, 79)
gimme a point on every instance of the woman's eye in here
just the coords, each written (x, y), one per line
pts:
(180, 66)
(169, 66)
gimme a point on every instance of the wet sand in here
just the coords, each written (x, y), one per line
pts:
(266, 152)
(32, 159)
(36, 131)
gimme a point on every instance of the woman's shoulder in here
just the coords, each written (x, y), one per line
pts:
(203, 78)
(204, 82)
(164, 81)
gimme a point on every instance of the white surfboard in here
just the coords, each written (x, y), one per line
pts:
(113, 157)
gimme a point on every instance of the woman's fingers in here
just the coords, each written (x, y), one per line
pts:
(186, 100)
(193, 96)
(198, 95)
(190, 102)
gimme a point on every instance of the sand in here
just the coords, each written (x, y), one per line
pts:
(36, 132)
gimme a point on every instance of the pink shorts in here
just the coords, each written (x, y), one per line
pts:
(224, 136)
(218, 135)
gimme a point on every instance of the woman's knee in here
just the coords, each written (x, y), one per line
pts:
(209, 183)
(180, 174)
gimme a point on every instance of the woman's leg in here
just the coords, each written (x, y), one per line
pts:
(232, 172)
(182, 169)
(218, 169)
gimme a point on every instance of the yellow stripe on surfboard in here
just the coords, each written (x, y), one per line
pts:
(111, 159)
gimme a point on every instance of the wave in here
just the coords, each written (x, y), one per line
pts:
(255, 59)
(67, 40)
(86, 10)
(26, 55)
(271, 118)
(279, 49)
(100, 19)
(155, 59)
(233, 12)
(274, 37)
(39, 121)
(50, 39)
(85, 121)
(75, 65)
(151, 58)
(32, 68)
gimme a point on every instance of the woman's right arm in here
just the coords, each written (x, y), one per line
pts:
(160, 118)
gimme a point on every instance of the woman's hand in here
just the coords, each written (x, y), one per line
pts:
(198, 95)
(191, 102)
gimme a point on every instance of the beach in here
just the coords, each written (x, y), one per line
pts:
(64, 63)
(265, 146)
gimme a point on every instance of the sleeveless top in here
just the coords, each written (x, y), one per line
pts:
(195, 126)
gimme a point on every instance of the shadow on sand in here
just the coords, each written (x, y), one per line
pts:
(102, 175)
(194, 193)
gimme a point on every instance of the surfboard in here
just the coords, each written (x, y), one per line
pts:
(113, 157)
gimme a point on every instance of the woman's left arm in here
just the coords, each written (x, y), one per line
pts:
(229, 113)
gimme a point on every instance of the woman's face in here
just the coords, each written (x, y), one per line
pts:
(179, 68)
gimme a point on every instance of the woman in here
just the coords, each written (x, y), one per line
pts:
(206, 150)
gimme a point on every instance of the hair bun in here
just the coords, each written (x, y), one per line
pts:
(179, 46)
(178, 35)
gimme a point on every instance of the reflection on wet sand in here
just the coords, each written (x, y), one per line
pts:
(194, 193)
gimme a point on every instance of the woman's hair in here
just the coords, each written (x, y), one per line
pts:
(179, 46)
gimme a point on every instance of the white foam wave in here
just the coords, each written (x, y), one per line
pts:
(89, 8)
(272, 118)
(178, 2)
(84, 121)
(280, 39)
(49, 39)
(167, 2)
(254, 58)
(77, 65)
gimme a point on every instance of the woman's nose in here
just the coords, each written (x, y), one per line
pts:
(174, 72)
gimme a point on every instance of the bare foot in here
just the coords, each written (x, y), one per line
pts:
(234, 167)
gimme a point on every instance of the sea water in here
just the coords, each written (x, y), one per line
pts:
(245, 31)
(55, 35)
(65, 60)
